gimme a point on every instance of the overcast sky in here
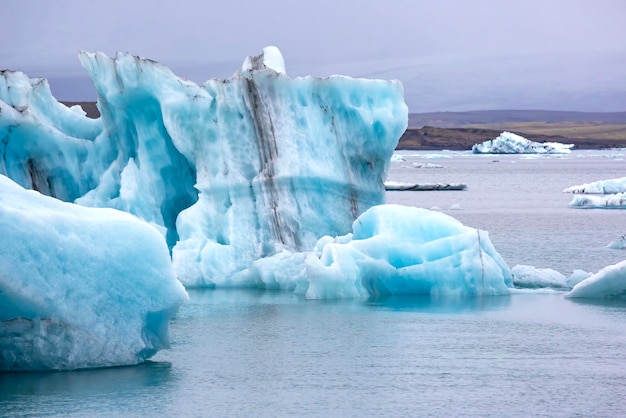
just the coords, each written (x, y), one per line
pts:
(450, 54)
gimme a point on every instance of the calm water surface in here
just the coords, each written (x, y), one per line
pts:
(249, 353)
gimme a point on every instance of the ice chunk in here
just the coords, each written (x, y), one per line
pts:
(610, 201)
(80, 287)
(611, 186)
(510, 143)
(393, 250)
(610, 282)
(427, 165)
(532, 277)
(400, 186)
(618, 244)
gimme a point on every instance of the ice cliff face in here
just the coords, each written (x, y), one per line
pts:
(231, 171)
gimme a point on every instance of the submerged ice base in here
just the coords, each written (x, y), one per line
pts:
(80, 287)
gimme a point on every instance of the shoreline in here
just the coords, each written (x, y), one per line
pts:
(462, 137)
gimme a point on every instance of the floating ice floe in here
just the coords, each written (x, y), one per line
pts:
(611, 201)
(427, 165)
(80, 287)
(608, 283)
(618, 244)
(510, 143)
(530, 277)
(613, 194)
(400, 186)
(611, 186)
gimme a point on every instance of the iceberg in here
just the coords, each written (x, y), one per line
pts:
(608, 283)
(618, 244)
(401, 186)
(611, 186)
(80, 287)
(230, 171)
(530, 277)
(610, 201)
(613, 194)
(510, 143)
(392, 250)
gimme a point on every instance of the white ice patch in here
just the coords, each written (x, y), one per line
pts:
(510, 143)
(531, 277)
(611, 186)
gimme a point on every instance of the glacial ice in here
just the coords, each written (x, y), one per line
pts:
(609, 201)
(80, 287)
(530, 277)
(392, 250)
(612, 194)
(510, 143)
(610, 186)
(618, 244)
(231, 171)
(608, 283)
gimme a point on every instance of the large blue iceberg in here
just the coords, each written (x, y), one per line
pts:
(243, 177)
(80, 287)
(231, 171)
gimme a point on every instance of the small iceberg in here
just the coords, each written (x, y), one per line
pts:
(531, 277)
(427, 165)
(611, 186)
(413, 187)
(608, 283)
(612, 194)
(510, 143)
(610, 201)
(618, 244)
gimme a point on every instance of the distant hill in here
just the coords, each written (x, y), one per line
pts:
(89, 107)
(461, 130)
(481, 117)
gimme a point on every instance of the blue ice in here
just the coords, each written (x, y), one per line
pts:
(80, 287)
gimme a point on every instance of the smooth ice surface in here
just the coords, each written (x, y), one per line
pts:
(392, 250)
(510, 143)
(80, 287)
(610, 282)
(230, 171)
(610, 186)
(609, 201)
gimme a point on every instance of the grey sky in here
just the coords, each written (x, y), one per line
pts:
(450, 54)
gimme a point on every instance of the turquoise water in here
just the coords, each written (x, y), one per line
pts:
(251, 353)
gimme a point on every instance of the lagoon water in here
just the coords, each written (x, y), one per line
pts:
(534, 353)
